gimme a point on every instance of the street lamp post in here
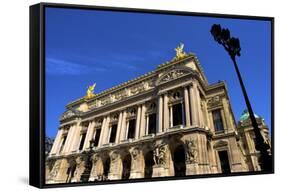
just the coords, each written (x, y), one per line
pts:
(232, 46)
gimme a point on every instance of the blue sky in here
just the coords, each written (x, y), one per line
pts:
(87, 46)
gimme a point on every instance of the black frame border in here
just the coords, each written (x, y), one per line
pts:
(37, 91)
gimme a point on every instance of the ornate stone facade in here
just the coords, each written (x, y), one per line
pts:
(168, 122)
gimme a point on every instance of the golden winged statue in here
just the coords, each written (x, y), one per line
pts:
(90, 91)
(180, 52)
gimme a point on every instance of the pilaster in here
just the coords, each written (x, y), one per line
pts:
(166, 113)
(186, 106)
(160, 114)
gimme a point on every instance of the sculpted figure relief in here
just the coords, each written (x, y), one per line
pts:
(95, 158)
(135, 152)
(114, 157)
(55, 170)
(172, 75)
(191, 151)
(159, 154)
(80, 167)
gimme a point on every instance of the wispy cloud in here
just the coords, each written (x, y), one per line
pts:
(56, 66)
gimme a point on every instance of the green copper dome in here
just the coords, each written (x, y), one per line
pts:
(245, 115)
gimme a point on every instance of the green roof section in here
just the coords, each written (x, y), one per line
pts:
(245, 115)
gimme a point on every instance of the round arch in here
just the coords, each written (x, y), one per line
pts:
(126, 166)
(148, 164)
(179, 160)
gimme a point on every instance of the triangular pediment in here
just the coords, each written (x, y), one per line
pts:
(174, 74)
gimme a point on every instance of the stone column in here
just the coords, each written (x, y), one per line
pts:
(69, 140)
(228, 117)
(166, 113)
(106, 128)
(147, 123)
(76, 137)
(55, 147)
(199, 110)
(137, 133)
(102, 131)
(186, 106)
(123, 126)
(194, 108)
(160, 114)
(143, 121)
(171, 116)
(89, 135)
(224, 121)
(208, 122)
(119, 126)
(182, 114)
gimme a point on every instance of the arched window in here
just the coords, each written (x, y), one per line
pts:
(126, 163)
(70, 172)
(106, 166)
(148, 164)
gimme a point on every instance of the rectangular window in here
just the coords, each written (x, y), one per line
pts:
(132, 129)
(152, 123)
(217, 118)
(177, 114)
(113, 133)
(82, 140)
(225, 168)
(62, 143)
(97, 137)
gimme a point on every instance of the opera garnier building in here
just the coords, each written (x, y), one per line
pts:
(168, 122)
